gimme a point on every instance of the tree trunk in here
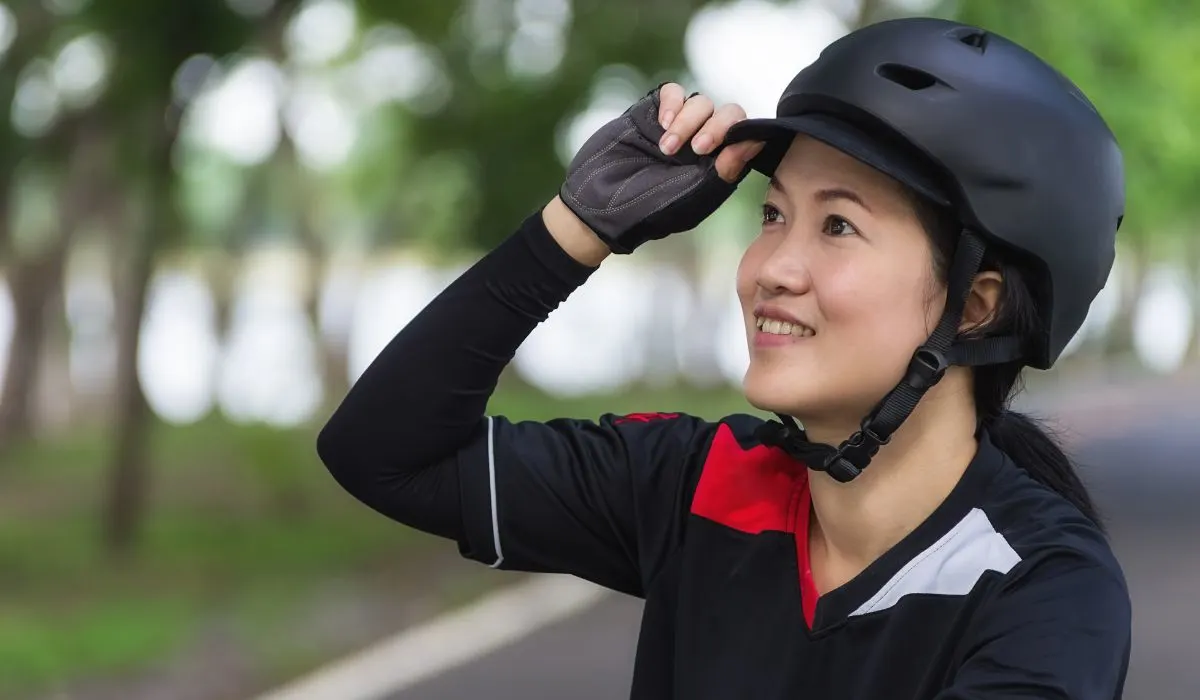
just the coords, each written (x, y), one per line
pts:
(32, 286)
(332, 354)
(1192, 251)
(332, 360)
(55, 404)
(1133, 279)
(36, 284)
(228, 263)
(128, 470)
(128, 467)
(335, 365)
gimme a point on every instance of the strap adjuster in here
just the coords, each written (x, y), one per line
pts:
(927, 367)
(854, 454)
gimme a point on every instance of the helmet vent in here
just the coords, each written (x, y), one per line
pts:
(909, 77)
(970, 36)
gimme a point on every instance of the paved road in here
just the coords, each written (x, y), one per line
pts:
(1143, 472)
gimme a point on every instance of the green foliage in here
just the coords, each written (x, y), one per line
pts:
(465, 174)
(211, 192)
(154, 38)
(509, 125)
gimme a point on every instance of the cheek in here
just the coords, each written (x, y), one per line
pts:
(876, 305)
(747, 274)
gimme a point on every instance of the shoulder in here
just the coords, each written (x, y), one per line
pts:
(664, 436)
(707, 448)
(677, 426)
(1059, 621)
(1059, 599)
(1066, 587)
(1061, 553)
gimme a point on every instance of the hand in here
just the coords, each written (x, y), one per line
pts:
(659, 168)
(697, 122)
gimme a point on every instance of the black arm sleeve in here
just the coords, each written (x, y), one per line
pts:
(424, 396)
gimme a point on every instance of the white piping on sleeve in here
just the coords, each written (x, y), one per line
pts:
(492, 483)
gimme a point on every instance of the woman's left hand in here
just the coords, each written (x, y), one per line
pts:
(698, 120)
(633, 181)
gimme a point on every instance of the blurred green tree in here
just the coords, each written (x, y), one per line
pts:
(153, 39)
(509, 122)
(26, 265)
(459, 169)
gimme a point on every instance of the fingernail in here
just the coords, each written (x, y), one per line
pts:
(669, 143)
(667, 118)
(702, 143)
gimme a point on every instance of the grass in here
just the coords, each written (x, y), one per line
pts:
(244, 529)
(238, 515)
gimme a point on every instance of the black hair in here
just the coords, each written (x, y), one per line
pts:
(1024, 439)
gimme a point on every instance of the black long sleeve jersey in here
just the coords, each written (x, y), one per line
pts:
(1005, 591)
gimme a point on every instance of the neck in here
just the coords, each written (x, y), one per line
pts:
(855, 523)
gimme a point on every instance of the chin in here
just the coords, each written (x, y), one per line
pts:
(795, 392)
(777, 392)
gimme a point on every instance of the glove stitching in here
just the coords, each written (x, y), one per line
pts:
(604, 150)
(640, 197)
(683, 193)
(606, 166)
(613, 200)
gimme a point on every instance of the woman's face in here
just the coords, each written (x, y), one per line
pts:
(837, 290)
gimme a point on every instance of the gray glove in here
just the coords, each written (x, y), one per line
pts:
(628, 191)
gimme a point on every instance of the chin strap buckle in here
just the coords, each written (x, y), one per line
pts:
(854, 454)
(846, 463)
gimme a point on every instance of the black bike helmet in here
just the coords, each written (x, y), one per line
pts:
(977, 123)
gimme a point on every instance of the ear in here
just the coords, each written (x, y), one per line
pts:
(982, 300)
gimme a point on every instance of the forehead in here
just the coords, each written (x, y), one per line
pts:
(811, 165)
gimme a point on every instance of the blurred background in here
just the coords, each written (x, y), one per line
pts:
(214, 213)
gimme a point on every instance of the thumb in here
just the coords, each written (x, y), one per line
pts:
(731, 162)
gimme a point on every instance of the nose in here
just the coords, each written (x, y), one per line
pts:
(784, 269)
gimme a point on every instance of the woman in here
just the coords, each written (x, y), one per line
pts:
(942, 211)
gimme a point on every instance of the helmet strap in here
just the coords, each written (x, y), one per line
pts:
(926, 369)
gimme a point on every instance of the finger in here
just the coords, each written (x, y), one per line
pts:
(713, 131)
(731, 162)
(691, 117)
(670, 101)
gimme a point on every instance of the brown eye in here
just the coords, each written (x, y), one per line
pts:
(837, 226)
(771, 215)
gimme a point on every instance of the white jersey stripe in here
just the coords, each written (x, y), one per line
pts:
(950, 566)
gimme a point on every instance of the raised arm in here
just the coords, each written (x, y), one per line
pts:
(411, 439)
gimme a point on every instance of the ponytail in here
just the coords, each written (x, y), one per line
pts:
(1027, 442)
(1017, 314)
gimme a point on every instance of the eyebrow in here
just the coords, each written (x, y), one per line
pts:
(828, 194)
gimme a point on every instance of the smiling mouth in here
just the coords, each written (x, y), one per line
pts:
(776, 327)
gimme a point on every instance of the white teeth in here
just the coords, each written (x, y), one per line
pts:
(769, 325)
